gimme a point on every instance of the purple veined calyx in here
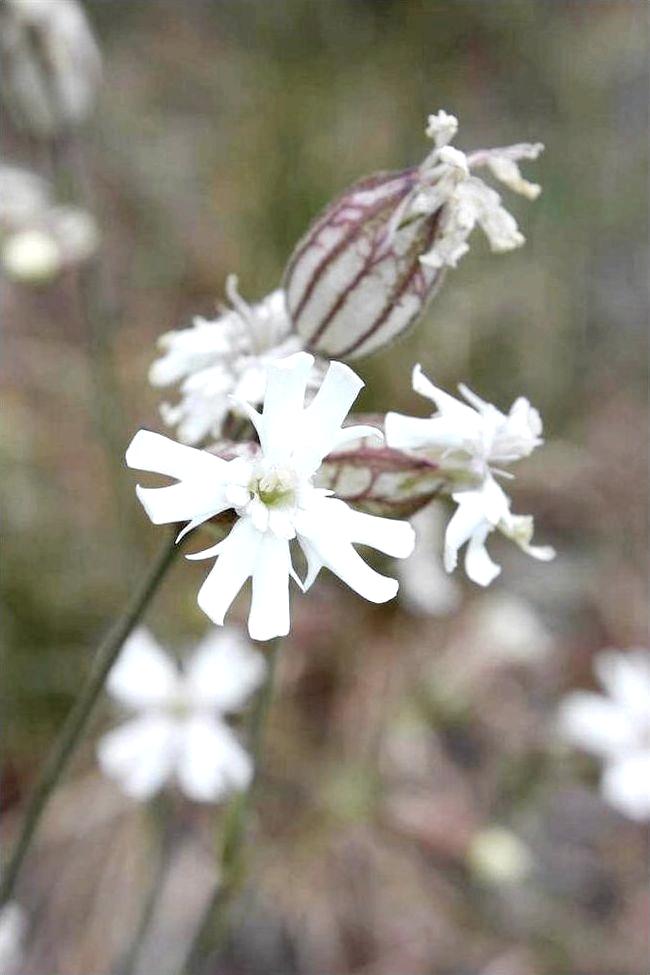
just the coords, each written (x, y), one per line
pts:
(369, 264)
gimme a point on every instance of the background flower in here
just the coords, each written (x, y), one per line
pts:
(616, 728)
(179, 733)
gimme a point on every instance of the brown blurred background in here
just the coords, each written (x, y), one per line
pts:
(397, 739)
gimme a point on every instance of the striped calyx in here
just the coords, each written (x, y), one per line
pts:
(355, 282)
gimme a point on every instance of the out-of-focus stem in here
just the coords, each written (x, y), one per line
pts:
(214, 923)
(161, 816)
(82, 710)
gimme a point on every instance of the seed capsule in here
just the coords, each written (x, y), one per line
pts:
(351, 284)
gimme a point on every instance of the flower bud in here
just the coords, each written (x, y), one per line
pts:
(367, 267)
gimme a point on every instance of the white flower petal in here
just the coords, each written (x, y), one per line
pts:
(626, 785)
(321, 428)
(407, 432)
(223, 671)
(626, 677)
(269, 615)
(140, 754)
(478, 565)
(144, 676)
(211, 763)
(388, 535)
(468, 517)
(356, 432)
(235, 563)
(596, 724)
(186, 501)
(445, 403)
(314, 563)
(284, 400)
(152, 452)
(338, 555)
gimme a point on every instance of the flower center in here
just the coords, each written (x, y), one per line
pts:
(179, 707)
(276, 488)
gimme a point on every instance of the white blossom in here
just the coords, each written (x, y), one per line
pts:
(219, 359)
(615, 726)
(275, 500)
(13, 924)
(473, 440)
(50, 63)
(179, 731)
(447, 180)
(39, 239)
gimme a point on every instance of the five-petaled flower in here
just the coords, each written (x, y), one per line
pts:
(179, 732)
(275, 499)
(616, 728)
(473, 440)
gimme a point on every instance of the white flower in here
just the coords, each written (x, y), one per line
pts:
(275, 499)
(31, 256)
(424, 585)
(446, 180)
(497, 856)
(471, 440)
(40, 239)
(616, 728)
(220, 359)
(51, 65)
(23, 196)
(179, 730)
(13, 924)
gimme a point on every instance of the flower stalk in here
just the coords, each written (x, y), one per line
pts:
(80, 714)
(214, 923)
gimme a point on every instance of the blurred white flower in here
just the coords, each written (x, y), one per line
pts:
(50, 64)
(179, 732)
(275, 500)
(31, 256)
(497, 856)
(472, 440)
(446, 180)
(505, 629)
(38, 239)
(220, 359)
(23, 195)
(424, 585)
(616, 728)
(13, 924)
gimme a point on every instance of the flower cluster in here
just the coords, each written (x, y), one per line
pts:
(474, 440)
(221, 361)
(179, 733)
(616, 728)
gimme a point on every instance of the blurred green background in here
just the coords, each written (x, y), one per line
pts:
(222, 128)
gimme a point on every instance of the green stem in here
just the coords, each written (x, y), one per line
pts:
(214, 922)
(77, 719)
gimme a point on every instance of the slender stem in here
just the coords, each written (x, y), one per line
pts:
(214, 923)
(161, 822)
(81, 711)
